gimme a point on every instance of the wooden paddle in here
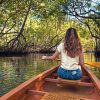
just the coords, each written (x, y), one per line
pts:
(94, 64)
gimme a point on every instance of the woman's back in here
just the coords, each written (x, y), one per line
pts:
(67, 62)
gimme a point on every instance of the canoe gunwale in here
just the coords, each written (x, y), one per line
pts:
(94, 79)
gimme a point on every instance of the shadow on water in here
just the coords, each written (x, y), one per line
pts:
(16, 70)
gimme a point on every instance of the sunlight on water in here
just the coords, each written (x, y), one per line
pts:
(15, 70)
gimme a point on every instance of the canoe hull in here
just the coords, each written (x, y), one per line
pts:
(48, 84)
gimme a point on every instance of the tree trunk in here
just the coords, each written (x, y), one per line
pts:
(97, 48)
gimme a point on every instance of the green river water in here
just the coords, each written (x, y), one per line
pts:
(16, 70)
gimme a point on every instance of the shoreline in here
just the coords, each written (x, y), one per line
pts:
(17, 53)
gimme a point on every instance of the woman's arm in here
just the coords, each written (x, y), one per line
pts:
(53, 57)
(81, 59)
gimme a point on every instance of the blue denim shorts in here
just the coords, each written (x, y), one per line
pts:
(69, 74)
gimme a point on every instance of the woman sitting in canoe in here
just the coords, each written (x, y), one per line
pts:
(71, 56)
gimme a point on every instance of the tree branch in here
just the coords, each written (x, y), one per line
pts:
(3, 1)
(22, 27)
(91, 32)
(89, 29)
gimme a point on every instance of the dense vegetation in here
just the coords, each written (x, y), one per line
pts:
(38, 25)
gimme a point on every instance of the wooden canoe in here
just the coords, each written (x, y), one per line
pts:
(47, 86)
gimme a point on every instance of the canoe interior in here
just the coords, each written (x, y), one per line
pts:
(47, 86)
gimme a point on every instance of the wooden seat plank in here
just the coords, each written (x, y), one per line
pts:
(75, 82)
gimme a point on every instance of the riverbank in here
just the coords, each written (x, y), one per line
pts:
(25, 51)
(22, 53)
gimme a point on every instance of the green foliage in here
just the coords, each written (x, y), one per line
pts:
(47, 22)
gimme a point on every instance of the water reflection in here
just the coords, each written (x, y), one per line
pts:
(15, 70)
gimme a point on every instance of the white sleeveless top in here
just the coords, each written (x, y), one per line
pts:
(66, 61)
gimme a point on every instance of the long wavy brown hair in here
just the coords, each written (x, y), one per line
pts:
(72, 43)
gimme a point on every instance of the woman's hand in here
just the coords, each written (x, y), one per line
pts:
(53, 57)
(44, 57)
